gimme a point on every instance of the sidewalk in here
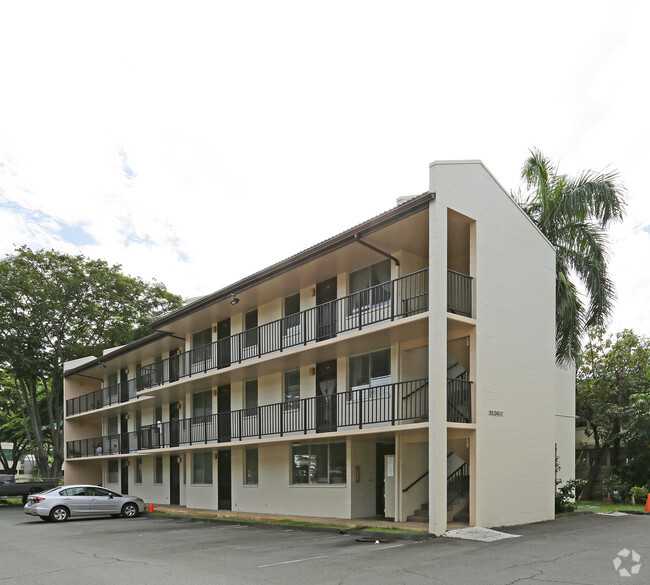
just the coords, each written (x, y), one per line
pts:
(367, 524)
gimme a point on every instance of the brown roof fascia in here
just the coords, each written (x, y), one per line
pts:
(393, 215)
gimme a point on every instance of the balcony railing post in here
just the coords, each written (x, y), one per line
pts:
(304, 413)
(393, 403)
(360, 401)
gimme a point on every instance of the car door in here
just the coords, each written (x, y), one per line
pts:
(76, 500)
(103, 501)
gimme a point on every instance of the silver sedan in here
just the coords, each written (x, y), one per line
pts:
(62, 502)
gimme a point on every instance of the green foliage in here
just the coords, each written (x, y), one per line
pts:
(565, 495)
(54, 308)
(639, 492)
(574, 213)
(613, 400)
(616, 487)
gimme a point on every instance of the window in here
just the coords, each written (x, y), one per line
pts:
(201, 345)
(138, 420)
(112, 425)
(291, 322)
(369, 284)
(202, 468)
(250, 329)
(201, 405)
(138, 470)
(112, 471)
(251, 477)
(318, 464)
(112, 388)
(158, 471)
(251, 397)
(75, 491)
(291, 389)
(370, 375)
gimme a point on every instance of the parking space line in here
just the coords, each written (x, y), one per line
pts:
(295, 561)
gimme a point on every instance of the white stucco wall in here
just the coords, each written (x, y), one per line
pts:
(514, 286)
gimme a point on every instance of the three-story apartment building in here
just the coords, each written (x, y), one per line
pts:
(404, 368)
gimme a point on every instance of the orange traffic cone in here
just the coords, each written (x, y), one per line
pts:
(647, 505)
(150, 508)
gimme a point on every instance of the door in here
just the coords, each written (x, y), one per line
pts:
(224, 479)
(223, 413)
(124, 476)
(174, 424)
(223, 343)
(124, 385)
(124, 433)
(326, 309)
(174, 481)
(173, 365)
(389, 486)
(326, 397)
(103, 501)
(76, 500)
(382, 450)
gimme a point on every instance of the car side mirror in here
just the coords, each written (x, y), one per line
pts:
(110, 496)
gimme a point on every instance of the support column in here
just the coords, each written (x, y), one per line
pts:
(437, 362)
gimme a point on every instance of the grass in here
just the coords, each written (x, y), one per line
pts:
(598, 506)
(11, 501)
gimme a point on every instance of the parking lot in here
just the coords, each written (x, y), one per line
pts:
(163, 551)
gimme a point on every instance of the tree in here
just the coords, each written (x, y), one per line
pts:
(613, 387)
(12, 424)
(574, 213)
(54, 308)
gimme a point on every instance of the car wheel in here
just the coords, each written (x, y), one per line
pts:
(59, 514)
(130, 510)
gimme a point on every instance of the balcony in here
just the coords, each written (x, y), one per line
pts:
(114, 394)
(383, 405)
(459, 399)
(388, 301)
(459, 293)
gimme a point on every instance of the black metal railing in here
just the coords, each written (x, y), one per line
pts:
(107, 396)
(343, 410)
(459, 293)
(459, 399)
(397, 298)
(458, 484)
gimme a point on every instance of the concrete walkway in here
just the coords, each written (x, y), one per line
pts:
(371, 523)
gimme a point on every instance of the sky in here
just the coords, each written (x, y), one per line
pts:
(197, 142)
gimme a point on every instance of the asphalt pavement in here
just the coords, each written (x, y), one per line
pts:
(179, 551)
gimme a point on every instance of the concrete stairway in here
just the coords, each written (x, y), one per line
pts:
(421, 515)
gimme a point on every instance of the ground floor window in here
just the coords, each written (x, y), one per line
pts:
(158, 470)
(202, 468)
(318, 463)
(138, 470)
(112, 471)
(251, 467)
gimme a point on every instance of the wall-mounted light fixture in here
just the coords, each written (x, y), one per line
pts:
(102, 365)
(177, 406)
(234, 299)
(216, 456)
(126, 463)
(126, 417)
(312, 371)
(357, 473)
(313, 292)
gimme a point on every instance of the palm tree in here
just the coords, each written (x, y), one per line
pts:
(574, 213)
